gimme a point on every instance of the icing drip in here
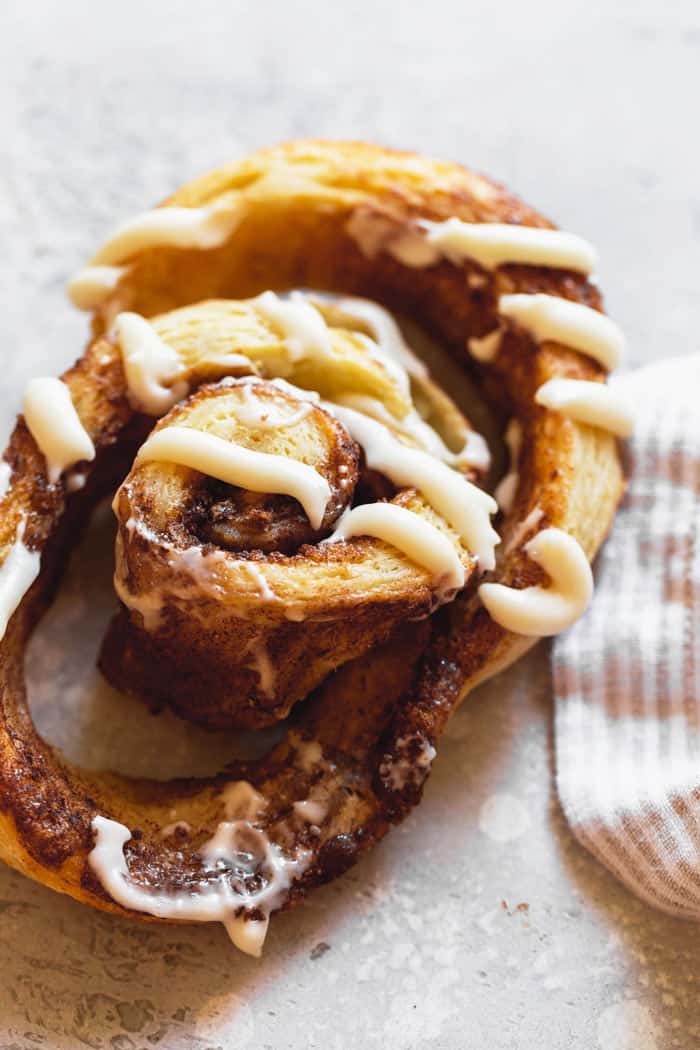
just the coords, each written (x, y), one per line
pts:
(200, 567)
(55, 425)
(266, 593)
(487, 244)
(493, 244)
(296, 391)
(412, 249)
(475, 452)
(592, 403)
(550, 319)
(386, 334)
(311, 811)
(538, 612)
(393, 350)
(508, 485)
(203, 228)
(151, 367)
(235, 465)
(149, 605)
(464, 506)
(422, 542)
(306, 332)
(5, 476)
(303, 328)
(17, 573)
(265, 668)
(91, 286)
(263, 415)
(546, 317)
(236, 851)
(523, 529)
(242, 801)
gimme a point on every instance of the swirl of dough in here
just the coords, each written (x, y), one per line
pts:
(235, 602)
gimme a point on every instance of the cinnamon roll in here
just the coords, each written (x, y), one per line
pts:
(238, 599)
(304, 531)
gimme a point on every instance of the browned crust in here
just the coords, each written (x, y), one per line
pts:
(294, 234)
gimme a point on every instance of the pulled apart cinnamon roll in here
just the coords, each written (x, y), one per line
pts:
(303, 527)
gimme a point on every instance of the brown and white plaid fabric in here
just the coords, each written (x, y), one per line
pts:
(627, 676)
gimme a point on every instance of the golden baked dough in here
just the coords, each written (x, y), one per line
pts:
(327, 216)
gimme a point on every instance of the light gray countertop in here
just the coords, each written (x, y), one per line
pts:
(479, 924)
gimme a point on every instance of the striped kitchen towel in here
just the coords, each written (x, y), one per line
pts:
(627, 676)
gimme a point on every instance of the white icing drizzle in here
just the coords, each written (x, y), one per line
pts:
(295, 391)
(586, 402)
(55, 425)
(306, 332)
(474, 453)
(248, 935)
(242, 801)
(404, 364)
(265, 668)
(526, 526)
(91, 285)
(151, 366)
(420, 541)
(546, 317)
(386, 334)
(538, 612)
(303, 328)
(17, 573)
(508, 485)
(235, 465)
(230, 360)
(149, 604)
(236, 848)
(549, 318)
(387, 362)
(263, 415)
(266, 592)
(197, 564)
(463, 505)
(203, 228)
(200, 568)
(489, 244)
(411, 248)
(486, 348)
(493, 244)
(374, 232)
(5, 476)
(312, 811)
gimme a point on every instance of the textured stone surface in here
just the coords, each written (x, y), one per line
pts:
(479, 924)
